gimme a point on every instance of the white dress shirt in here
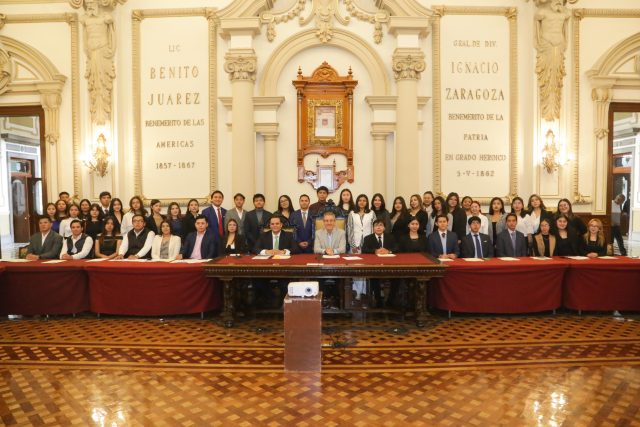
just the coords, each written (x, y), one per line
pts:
(86, 247)
(124, 247)
(65, 226)
(273, 244)
(127, 223)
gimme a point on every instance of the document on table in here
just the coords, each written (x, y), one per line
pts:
(55, 261)
(330, 256)
(351, 258)
(129, 260)
(96, 260)
(281, 256)
(541, 258)
(508, 258)
(15, 260)
(473, 259)
(162, 260)
(445, 259)
(578, 258)
(190, 261)
(261, 257)
(607, 257)
(386, 255)
(314, 264)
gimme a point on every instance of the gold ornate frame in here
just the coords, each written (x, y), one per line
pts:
(324, 141)
(137, 16)
(511, 13)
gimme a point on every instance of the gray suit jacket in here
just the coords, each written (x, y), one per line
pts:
(338, 241)
(51, 248)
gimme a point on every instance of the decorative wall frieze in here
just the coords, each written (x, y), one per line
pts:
(601, 96)
(241, 64)
(6, 67)
(408, 64)
(324, 13)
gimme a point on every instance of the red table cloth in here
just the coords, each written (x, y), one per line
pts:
(496, 286)
(150, 288)
(35, 287)
(603, 284)
(304, 259)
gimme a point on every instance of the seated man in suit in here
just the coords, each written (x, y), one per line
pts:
(256, 220)
(200, 244)
(78, 245)
(476, 244)
(46, 244)
(379, 243)
(275, 242)
(330, 240)
(137, 242)
(443, 243)
(511, 242)
(302, 221)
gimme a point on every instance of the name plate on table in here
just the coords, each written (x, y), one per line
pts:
(477, 96)
(175, 120)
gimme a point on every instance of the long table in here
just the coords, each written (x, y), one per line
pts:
(126, 288)
(417, 266)
(496, 286)
(37, 287)
(603, 284)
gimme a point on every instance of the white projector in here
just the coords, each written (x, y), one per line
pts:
(303, 289)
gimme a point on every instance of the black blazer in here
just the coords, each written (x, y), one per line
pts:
(459, 225)
(504, 247)
(253, 229)
(434, 244)
(401, 226)
(240, 244)
(370, 243)
(408, 245)
(423, 219)
(589, 247)
(151, 223)
(188, 225)
(209, 248)
(286, 241)
(468, 248)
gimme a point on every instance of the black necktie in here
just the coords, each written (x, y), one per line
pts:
(444, 235)
(379, 241)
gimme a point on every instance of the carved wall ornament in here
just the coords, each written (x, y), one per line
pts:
(408, 65)
(324, 12)
(551, 19)
(99, 39)
(5, 70)
(241, 66)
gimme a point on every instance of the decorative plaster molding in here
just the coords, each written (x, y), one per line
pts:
(54, 82)
(241, 64)
(210, 14)
(6, 68)
(511, 14)
(601, 96)
(325, 12)
(578, 16)
(408, 64)
(350, 42)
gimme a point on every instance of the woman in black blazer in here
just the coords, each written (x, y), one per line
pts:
(232, 242)
(415, 240)
(416, 211)
(593, 243)
(458, 214)
(189, 219)
(399, 217)
(566, 238)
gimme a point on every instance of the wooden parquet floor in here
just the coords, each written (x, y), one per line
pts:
(561, 370)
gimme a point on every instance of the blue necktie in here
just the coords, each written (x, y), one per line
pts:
(478, 247)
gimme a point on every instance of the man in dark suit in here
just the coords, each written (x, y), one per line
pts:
(215, 214)
(303, 224)
(46, 244)
(276, 241)
(476, 244)
(443, 243)
(379, 243)
(256, 220)
(200, 244)
(511, 242)
(323, 193)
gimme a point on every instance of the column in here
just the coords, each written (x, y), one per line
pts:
(379, 162)
(270, 168)
(241, 66)
(408, 63)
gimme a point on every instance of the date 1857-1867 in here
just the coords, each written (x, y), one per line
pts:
(175, 165)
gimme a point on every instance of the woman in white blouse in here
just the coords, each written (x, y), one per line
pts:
(523, 225)
(360, 225)
(165, 245)
(135, 207)
(484, 221)
(73, 212)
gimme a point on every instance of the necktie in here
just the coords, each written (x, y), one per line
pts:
(276, 243)
(304, 219)
(379, 241)
(220, 229)
(444, 235)
(513, 242)
(330, 240)
(478, 247)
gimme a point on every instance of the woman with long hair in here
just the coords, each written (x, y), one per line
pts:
(136, 207)
(544, 243)
(565, 208)
(496, 217)
(73, 214)
(416, 211)
(536, 210)
(284, 211)
(517, 207)
(458, 223)
(593, 243)
(566, 238)
(378, 206)
(232, 242)
(399, 217)
(166, 245)
(108, 242)
(115, 211)
(52, 212)
(439, 207)
(174, 216)
(189, 219)
(94, 224)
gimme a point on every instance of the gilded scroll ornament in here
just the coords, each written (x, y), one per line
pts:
(551, 21)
